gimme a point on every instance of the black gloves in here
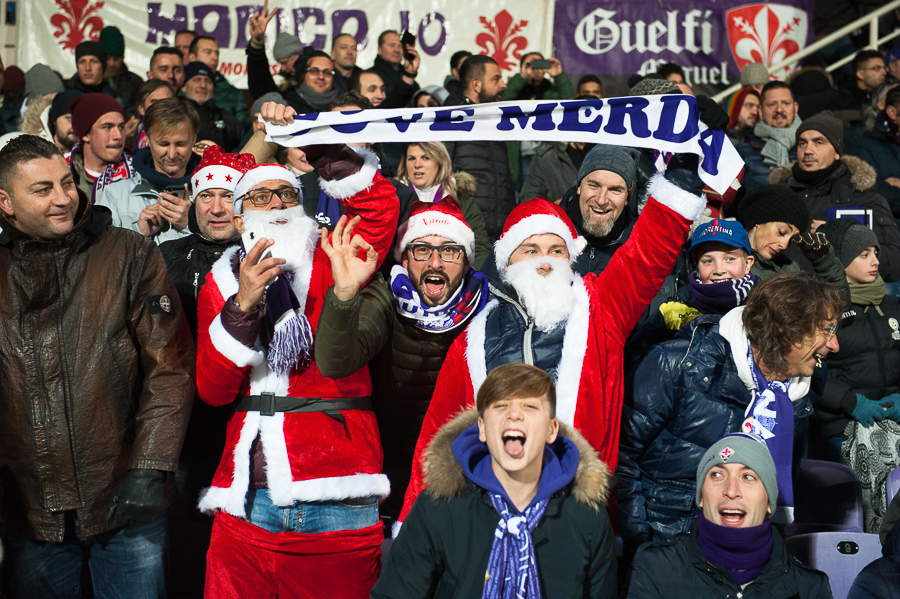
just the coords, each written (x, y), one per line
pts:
(711, 114)
(139, 497)
(682, 172)
(813, 245)
(333, 161)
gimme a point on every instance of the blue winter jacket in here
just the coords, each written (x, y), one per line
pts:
(687, 395)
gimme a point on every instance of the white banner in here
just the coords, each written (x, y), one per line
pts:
(664, 123)
(49, 30)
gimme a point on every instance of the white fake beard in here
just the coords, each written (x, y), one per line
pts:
(295, 234)
(547, 299)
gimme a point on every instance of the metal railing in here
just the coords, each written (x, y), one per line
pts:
(870, 20)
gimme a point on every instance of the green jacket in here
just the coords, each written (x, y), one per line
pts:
(443, 546)
(231, 99)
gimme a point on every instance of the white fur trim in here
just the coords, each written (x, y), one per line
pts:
(278, 465)
(435, 223)
(341, 487)
(673, 197)
(231, 348)
(395, 528)
(571, 360)
(223, 275)
(731, 328)
(219, 180)
(361, 180)
(536, 224)
(232, 499)
(475, 336)
(260, 173)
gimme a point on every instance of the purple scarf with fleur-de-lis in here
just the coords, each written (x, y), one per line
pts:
(512, 568)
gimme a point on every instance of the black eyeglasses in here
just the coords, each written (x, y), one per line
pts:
(316, 72)
(263, 197)
(421, 251)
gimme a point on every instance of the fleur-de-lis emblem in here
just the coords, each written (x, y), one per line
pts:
(76, 22)
(503, 39)
(766, 33)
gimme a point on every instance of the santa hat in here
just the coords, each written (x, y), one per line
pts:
(260, 173)
(536, 217)
(444, 218)
(218, 170)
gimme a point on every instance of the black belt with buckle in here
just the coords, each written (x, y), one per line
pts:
(268, 404)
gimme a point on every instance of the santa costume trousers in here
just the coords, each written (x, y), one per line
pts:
(245, 561)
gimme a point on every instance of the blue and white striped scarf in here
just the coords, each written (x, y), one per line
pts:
(512, 569)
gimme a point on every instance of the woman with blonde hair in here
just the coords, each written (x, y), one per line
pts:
(426, 168)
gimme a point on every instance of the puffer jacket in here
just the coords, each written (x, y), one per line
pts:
(679, 569)
(688, 393)
(852, 184)
(96, 373)
(552, 173)
(868, 363)
(443, 547)
(487, 162)
(405, 363)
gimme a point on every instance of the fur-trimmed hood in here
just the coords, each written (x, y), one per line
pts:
(445, 477)
(862, 174)
(466, 184)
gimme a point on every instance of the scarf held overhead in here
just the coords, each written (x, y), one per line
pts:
(663, 123)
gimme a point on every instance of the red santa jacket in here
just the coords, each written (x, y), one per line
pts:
(589, 386)
(309, 456)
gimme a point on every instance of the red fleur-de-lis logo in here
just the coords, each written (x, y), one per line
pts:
(76, 22)
(501, 40)
(766, 33)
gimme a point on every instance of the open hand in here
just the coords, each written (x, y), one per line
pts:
(258, 23)
(349, 271)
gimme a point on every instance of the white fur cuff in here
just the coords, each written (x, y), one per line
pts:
(673, 197)
(348, 187)
(231, 348)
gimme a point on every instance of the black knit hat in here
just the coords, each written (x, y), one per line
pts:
(828, 125)
(849, 238)
(773, 204)
(91, 49)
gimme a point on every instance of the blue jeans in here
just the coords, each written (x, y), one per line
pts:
(126, 563)
(311, 516)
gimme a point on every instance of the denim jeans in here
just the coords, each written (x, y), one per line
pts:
(126, 563)
(311, 516)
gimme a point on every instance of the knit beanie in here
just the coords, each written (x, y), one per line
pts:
(608, 158)
(15, 80)
(849, 238)
(40, 80)
(87, 108)
(828, 125)
(741, 448)
(285, 45)
(60, 104)
(269, 97)
(754, 74)
(112, 41)
(651, 86)
(91, 49)
(773, 204)
(734, 103)
(198, 68)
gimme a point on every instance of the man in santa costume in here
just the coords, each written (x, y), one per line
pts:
(296, 493)
(573, 327)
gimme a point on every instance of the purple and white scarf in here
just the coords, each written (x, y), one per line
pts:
(290, 334)
(468, 301)
(719, 298)
(771, 416)
(512, 568)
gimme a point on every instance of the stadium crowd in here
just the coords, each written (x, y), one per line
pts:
(436, 369)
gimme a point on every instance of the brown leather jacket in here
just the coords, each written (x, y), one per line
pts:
(96, 372)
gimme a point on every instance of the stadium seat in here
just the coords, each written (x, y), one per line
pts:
(841, 555)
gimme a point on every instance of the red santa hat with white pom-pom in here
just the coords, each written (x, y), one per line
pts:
(536, 217)
(444, 218)
(218, 170)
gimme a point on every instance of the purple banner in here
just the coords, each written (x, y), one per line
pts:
(710, 40)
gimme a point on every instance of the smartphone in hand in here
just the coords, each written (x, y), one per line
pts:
(407, 39)
(540, 64)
